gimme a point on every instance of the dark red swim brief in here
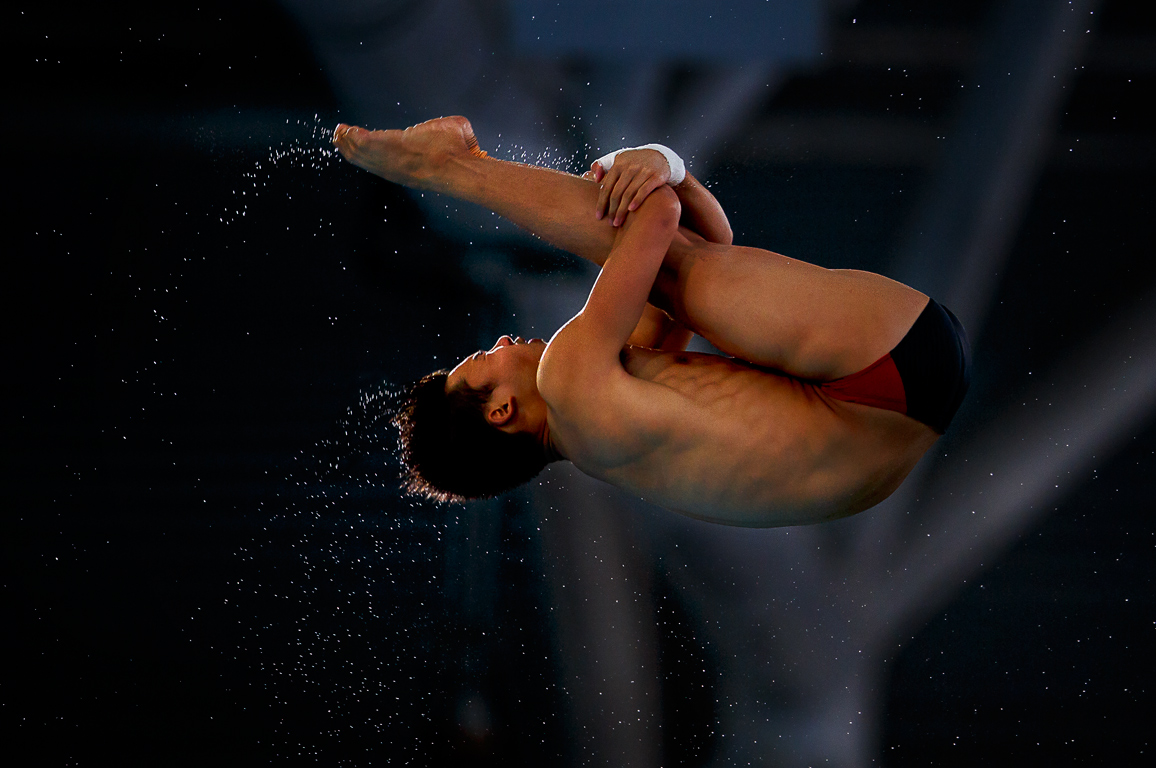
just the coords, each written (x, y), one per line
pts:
(926, 376)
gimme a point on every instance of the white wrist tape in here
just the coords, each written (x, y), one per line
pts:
(677, 167)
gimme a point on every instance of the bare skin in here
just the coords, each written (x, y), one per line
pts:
(614, 393)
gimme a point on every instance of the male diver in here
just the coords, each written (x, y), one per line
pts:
(832, 386)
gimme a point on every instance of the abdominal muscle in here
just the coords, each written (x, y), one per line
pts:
(760, 449)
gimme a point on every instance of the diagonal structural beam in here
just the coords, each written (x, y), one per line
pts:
(1015, 472)
(718, 103)
(604, 620)
(962, 233)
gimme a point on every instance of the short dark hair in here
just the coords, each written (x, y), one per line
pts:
(449, 452)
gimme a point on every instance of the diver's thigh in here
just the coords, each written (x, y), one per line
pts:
(783, 313)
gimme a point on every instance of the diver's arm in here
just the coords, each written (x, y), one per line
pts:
(636, 173)
(619, 297)
(702, 213)
(657, 330)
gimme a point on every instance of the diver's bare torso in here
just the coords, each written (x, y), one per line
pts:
(736, 445)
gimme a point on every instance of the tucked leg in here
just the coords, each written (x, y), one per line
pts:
(765, 308)
(441, 156)
(759, 306)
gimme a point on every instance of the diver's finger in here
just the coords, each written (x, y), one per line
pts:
(630, 195)
(616, 196)
(633, 196)
(644, 190)
(606, 185)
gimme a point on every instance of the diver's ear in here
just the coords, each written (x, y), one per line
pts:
(503, 413)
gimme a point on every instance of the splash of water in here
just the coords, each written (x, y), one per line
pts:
(310, 149)
(363, 451)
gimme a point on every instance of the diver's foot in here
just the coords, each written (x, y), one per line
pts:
(412, 157)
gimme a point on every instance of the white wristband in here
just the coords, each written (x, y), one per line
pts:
(677, 167)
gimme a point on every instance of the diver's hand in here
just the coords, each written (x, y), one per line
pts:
(635, 174)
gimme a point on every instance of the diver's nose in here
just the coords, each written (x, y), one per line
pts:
(504, 341)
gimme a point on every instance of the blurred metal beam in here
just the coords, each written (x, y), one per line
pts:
(599, 571)
(717, 106)
(961, 235)
(797, 686)
(1013, 474)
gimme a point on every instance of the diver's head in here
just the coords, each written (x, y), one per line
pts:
(478, 430)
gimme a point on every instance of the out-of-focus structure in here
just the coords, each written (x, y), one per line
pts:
(801, 621)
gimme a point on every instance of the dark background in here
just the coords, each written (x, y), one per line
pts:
(182, 582)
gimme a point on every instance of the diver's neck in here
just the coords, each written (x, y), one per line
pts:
(550, 447)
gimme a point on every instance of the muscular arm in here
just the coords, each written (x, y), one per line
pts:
(702, 213)
(618, 299)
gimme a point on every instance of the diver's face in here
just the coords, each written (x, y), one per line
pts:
(509, 367)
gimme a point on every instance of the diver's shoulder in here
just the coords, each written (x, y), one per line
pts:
(568, 372)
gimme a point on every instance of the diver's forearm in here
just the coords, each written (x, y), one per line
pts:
(658, 330)
(702, 213)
